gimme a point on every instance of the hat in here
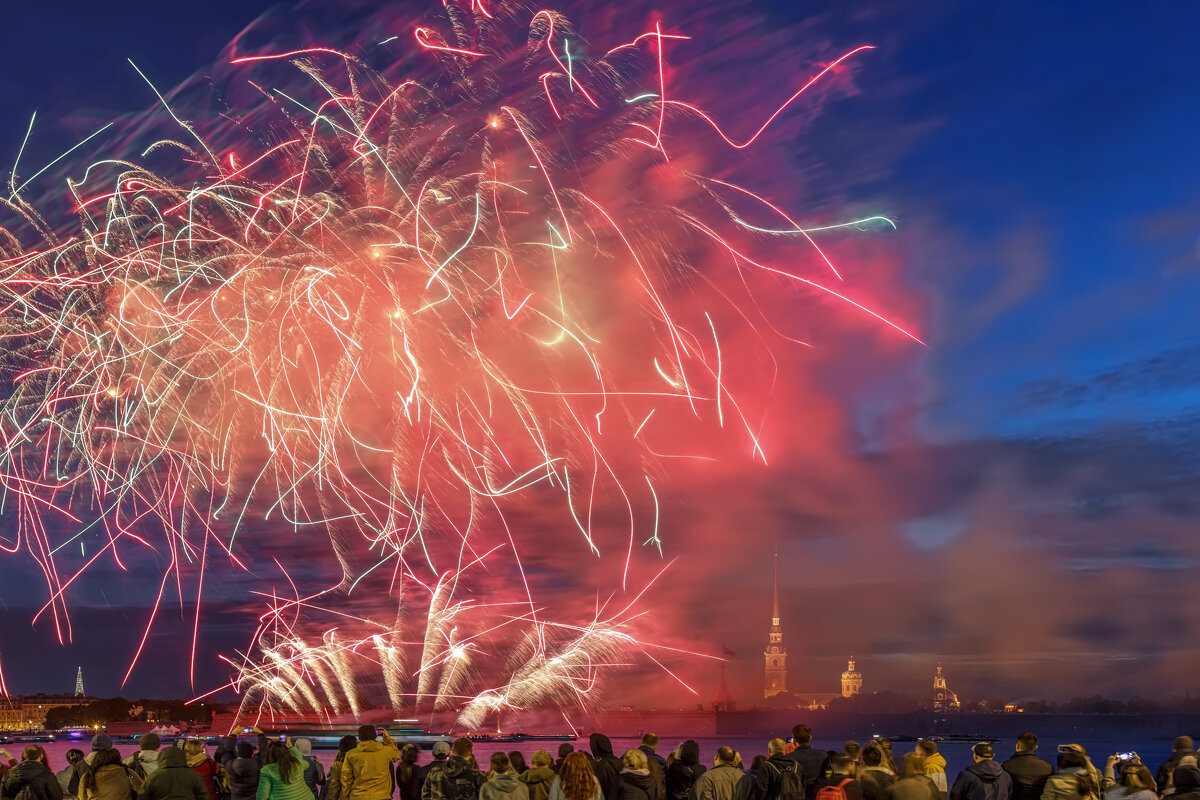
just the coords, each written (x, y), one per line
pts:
(304, 746)
(984, 750)
(101, 741)
(441, 748)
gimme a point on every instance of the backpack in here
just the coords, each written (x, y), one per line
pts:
(791, 787)
(136, 773)
(833, 792)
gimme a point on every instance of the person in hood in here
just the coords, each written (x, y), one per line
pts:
(145, 760)
(457, 779)
(935, 766)
(725, 781)
(770, 773)
(226, 751)
(984, 779)
(244, 772)
(333, 785)
(684, 771)
(407, 773)
(538, 777)
(367, 769)
(503, 783)
(1028, 772)
(314, 770)
(576, 780)
(875, 778)
(1074, 780)
(634, 781)
(173, 780)
(1187, 783)
(605, 763)
(1182, 746)
(31, 779)
(913, 783)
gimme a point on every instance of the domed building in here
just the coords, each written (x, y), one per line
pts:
(851, 680)
(940, 698)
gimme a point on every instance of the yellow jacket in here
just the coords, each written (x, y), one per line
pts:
(367, 771)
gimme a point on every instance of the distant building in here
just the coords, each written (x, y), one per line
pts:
(775, 671)
(79, 683)
(940, 698)
(851, 680)
(29, 713)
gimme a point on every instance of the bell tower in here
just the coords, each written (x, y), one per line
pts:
(851, 680)
(775, 671)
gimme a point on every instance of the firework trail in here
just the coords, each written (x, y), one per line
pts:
(379, 310)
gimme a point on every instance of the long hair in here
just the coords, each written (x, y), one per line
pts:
(914, 764)
(103, 758)
(279, 755)
(576, 778)
(1135, 777)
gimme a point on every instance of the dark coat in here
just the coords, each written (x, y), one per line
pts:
(173, 780)
(812, 763)
(918, 787)
(876, 784)
(766, 782)
(243, 778)
(684, 771)
(632, 786)
(1029, 774)
(408, 778)
(30, 780)
(986, 780)
(607, 766)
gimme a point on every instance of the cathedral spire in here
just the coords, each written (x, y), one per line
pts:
(79, 682)
(775, 674)
(775, 607)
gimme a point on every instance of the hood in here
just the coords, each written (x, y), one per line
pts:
(456, 766)
(600, 745)
(369, 747)
(639, 778)
(987, 771)
(506, 784)
(689, 753)
(172, 757)
(935, 760)
(197, 759)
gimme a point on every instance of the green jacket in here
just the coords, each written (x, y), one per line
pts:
(272, 787)
(173, 780)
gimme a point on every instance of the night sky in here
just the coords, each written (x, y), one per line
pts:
(1019, 500)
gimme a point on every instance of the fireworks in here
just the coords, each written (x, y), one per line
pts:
(374, 314)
